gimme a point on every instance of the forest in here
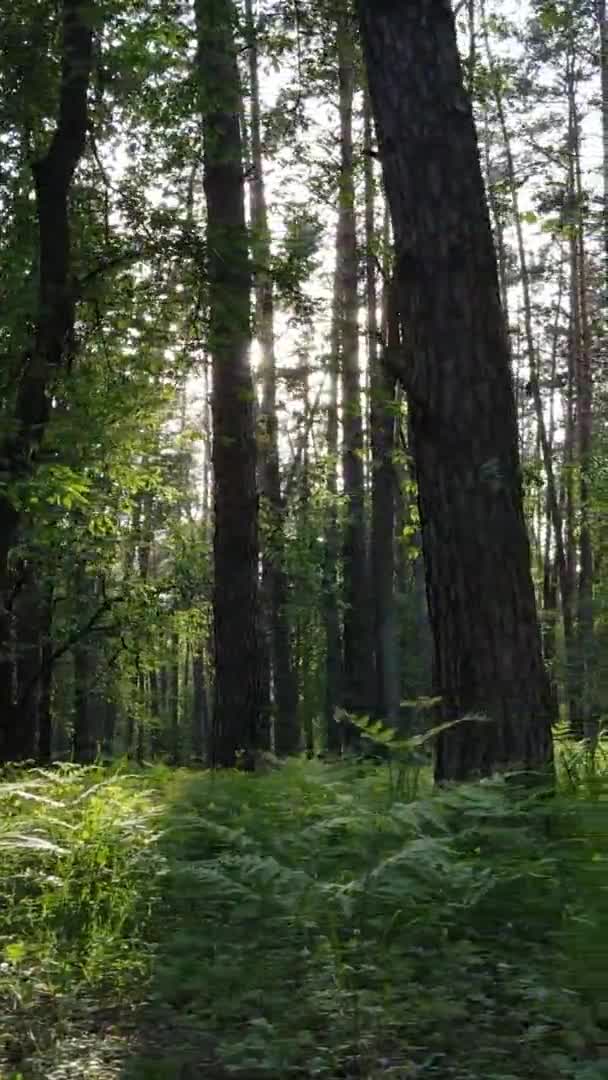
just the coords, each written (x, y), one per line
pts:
(303, 539)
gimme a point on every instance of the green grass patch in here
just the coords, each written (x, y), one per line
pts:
(313, 921)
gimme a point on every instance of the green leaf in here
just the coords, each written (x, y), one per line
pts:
(15, 952)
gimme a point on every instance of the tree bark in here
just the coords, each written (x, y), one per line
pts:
(54, 331)
(488, 656)
(235, 543)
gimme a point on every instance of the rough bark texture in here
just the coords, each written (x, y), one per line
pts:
(54, 331)
(275, 591)
(357, 624)
(235, 542)
(488, 657)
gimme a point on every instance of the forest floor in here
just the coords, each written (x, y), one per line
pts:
(315, 921)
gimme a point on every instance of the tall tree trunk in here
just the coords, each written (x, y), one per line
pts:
(550, 579)
(286, 728)
(237, 703)
(568, 487)
(307, 649)
(488, 655)
(383, 427)
(579, 420)
(357, 637)
(382, 436)
(584, 417)
(333, 650)
(54, 331)
(603, 29)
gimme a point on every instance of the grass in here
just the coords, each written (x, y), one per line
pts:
(315, 921)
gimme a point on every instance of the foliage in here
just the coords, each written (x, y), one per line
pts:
(305, 922)
(79, 882)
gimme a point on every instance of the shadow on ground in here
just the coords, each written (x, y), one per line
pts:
(169, 1037)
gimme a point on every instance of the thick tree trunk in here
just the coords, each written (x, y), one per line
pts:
(488, 656)
(357, 624)
(286, 728)
(54, 331)
(236, 711)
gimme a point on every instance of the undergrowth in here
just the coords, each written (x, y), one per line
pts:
(311, 922)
